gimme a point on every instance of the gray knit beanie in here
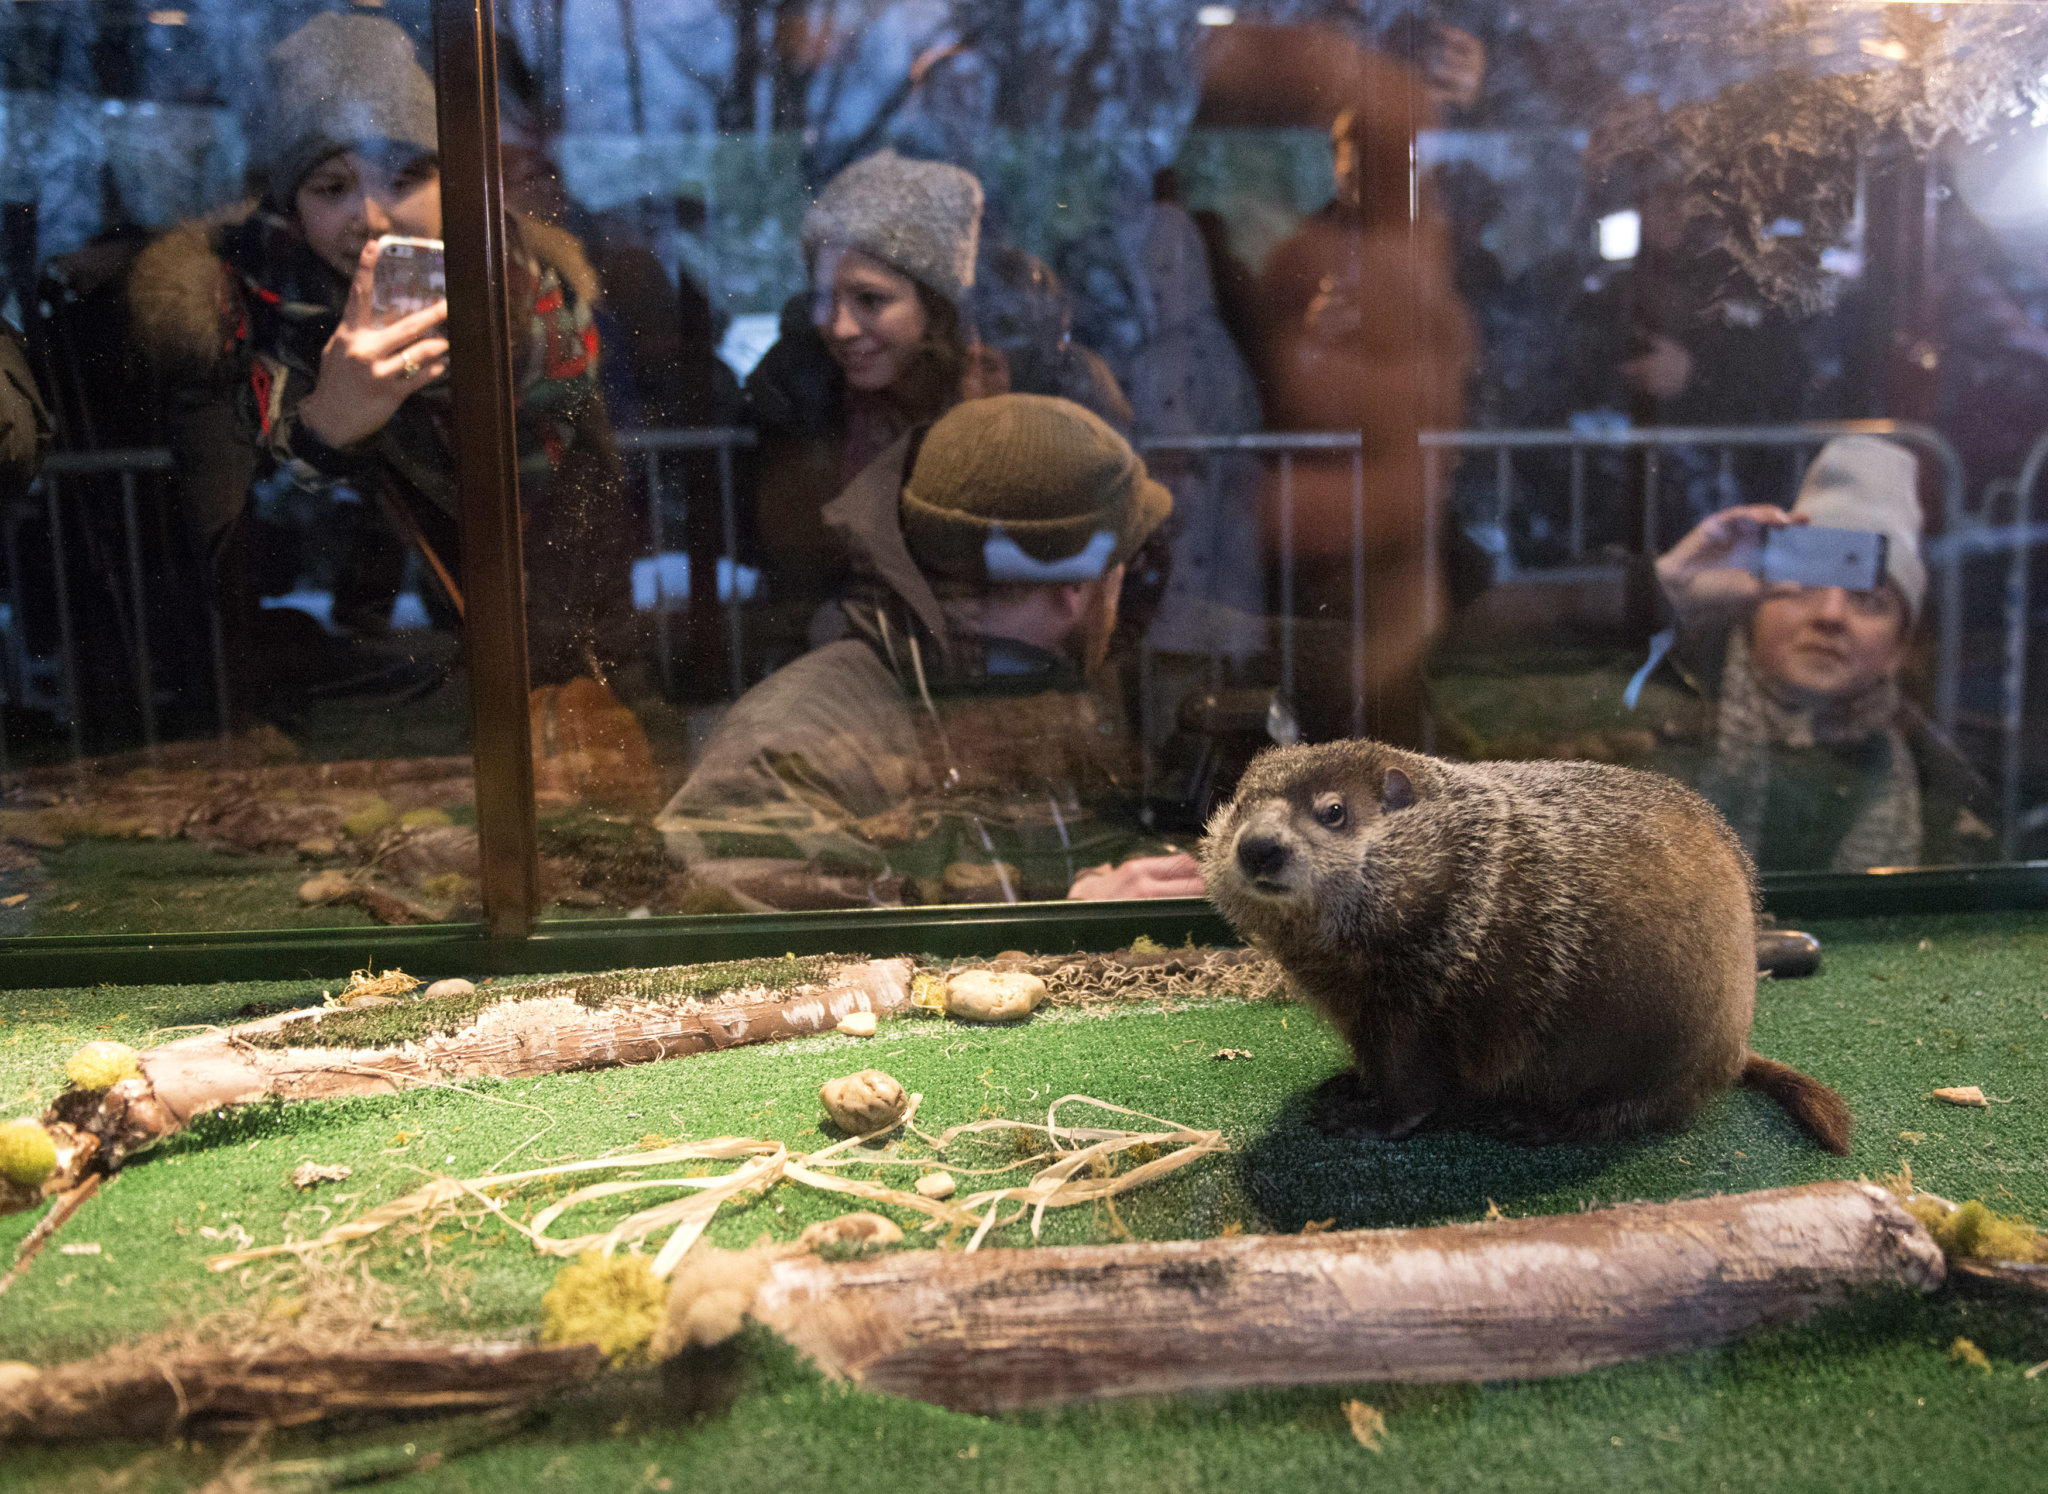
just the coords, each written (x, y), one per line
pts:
(1869, 483)
(922, 218)
(339, 82)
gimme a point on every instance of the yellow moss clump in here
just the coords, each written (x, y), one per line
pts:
(1962, 1351)
(611, 1301)
(99, 1066)
(424, 819)
(369, 819)
(27, 1155)
(928, 990)
(447, 887)
(1972, 1231)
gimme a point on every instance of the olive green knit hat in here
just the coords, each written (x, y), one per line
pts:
(1026, 488)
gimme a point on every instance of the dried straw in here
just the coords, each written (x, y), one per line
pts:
(1072, 1179)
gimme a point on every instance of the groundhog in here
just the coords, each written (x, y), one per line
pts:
(1551, 951)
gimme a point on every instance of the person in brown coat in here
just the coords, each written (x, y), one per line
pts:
(1362, 329)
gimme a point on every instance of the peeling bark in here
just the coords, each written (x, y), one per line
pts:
(127, 1394)
(1501, 1300)
(518, 1038)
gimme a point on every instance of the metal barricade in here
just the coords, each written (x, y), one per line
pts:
(651, 445)
(1286, 446)
(2017, 540)
(1798, 441)
(58, 473)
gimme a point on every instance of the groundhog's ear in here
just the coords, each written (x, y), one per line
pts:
(1396, 792)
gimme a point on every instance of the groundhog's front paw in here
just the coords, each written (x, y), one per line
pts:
(1341, 1106)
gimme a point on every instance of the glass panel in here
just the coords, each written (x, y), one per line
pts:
(229, 640)
(1452, 341)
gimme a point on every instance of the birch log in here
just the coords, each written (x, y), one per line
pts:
(517, 1038)
(1501, 1300)
(127, 1394)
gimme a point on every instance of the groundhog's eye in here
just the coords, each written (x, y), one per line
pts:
(1329, 812)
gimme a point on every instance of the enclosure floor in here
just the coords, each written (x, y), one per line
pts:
(1865, 1398)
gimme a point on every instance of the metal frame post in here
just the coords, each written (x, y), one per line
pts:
(486, 462)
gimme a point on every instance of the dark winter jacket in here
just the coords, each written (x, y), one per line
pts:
(24, 419)
(233, 315)
(1890, 794)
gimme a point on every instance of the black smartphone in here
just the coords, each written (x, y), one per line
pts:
(1808, 555)
(411, 275)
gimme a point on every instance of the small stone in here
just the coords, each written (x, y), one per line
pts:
(993, 995)
(863, 1231)
(1962, 1094)
(857, 1024)
(325, 887)
(863, 1103)
(357, 1003)
(936, 1185)
(317, 845)
(455, 985)
(1012, 957)
(312, 1174)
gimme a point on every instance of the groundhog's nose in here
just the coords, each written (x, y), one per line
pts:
(1260, 856)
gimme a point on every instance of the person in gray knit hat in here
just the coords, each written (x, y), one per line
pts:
(879, 344)
(261, 329)
(1802, 735)
(342, 83)
(961, 745)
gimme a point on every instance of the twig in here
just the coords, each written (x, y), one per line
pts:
(66, 1205)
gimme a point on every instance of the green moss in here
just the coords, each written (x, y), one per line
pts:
(27, 1155)
(1971, 1231)
(425, 819)
(368, 820)
(410, 1021)
(611, 1301)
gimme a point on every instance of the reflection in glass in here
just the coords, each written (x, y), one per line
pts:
(1454, 361)
(240, 575)
(1452, 346)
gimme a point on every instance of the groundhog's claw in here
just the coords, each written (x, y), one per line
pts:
(1341, 1107)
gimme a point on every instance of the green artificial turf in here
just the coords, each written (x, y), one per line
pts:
(1865, 1397)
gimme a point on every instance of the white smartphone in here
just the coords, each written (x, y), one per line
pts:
(410, 275)
(1808, 555)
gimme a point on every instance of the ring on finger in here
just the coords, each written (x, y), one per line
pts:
(408, 367)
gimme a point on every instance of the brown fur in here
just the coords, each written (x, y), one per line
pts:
(1553, 951)
(181, 298)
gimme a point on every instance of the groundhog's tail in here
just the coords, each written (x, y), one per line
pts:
(1814, 1108)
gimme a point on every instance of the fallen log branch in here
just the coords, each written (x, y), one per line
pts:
(62, 1207)
(551, 1028)
(127, 1394)
(1505, 1299)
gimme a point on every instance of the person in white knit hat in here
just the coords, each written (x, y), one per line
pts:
(1810, 747)
(880, 343)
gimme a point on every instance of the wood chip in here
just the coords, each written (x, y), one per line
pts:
(1964, 1094)
(91, 1247)
(1367, 1425)
(1230, 1053)
(312, 1174)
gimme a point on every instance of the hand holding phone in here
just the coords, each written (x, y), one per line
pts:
(382, 353)
(411, 275)
(1811, 556)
